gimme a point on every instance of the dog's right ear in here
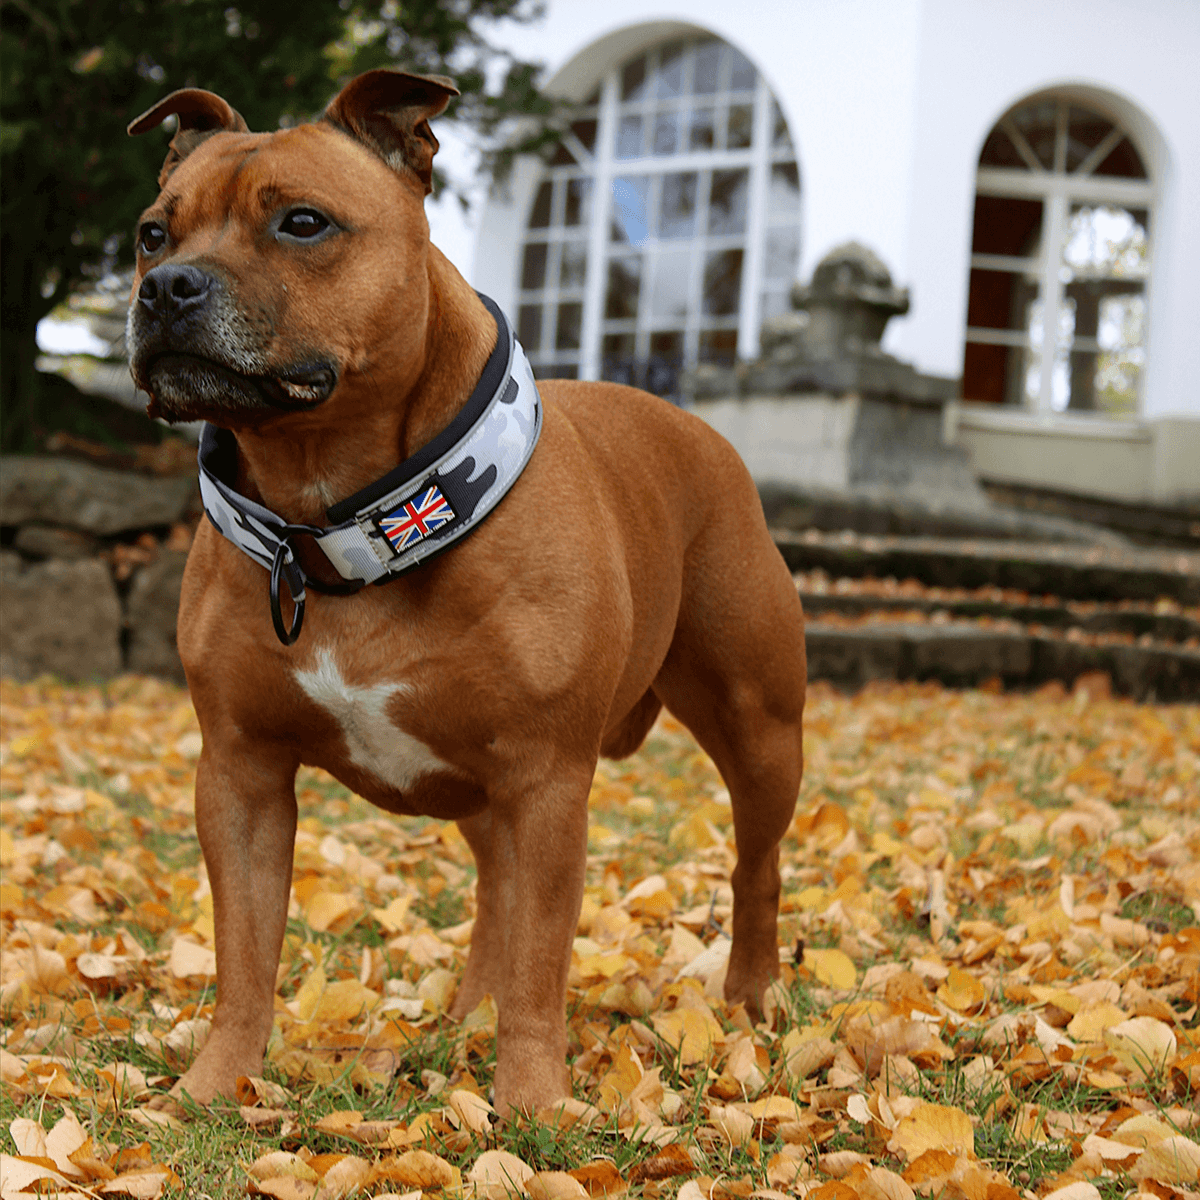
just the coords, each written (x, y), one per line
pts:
(200, 113)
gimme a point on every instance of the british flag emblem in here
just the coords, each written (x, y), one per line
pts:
(415, 519)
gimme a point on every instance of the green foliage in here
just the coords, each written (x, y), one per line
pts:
(76, 72)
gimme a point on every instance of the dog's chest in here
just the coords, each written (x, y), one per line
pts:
(374, 742)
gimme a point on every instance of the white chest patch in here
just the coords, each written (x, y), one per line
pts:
(374, 741)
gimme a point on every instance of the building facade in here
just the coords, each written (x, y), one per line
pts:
(1030, 169)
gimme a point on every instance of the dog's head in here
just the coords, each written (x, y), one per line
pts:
(274, 267)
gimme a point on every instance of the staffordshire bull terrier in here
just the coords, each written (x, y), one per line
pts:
(552, 569)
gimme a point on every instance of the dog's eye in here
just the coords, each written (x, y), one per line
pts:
(303, 223)
(151, 238)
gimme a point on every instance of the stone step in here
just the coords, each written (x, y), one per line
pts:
(1072, 572)
(964, 655)
(1128, 619)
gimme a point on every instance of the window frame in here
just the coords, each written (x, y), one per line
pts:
(1058, 189)
(602, 166)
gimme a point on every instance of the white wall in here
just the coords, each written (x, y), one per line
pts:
(888, 102)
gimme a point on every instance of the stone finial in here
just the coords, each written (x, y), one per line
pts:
(849, 303)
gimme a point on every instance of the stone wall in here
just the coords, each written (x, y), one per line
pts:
(90, 568)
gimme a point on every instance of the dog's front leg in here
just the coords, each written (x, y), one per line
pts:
(246, 820)
(531, 855)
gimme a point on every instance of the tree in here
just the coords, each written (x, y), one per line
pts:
(75, 72)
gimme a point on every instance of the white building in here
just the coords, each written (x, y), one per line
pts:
(1019, 164)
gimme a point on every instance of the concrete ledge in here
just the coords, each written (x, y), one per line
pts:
(964, 655)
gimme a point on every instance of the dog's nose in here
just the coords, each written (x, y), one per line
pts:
(172, 289)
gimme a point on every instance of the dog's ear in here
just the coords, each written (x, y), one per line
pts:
(388, 111)
(201, 114)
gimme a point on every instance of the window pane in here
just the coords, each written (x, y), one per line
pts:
(1038, 124)
(780, 138)
(629, 137)
(1007, 226)
(702, 129)
(666, 132)
(669, 295)
(677, 215)
(1085, 131)
(630, 218)
(570, 324)
(633, 79)
(666, 359)
(578, 207)
(741, 126)
(1000, 300)
(617, 361)
(624, 282)
(573, 270)
(783, 193)
(783, 253)
(1107, 240)
(529, 327)
(670, 71)
(722, 283)
(996, 374)
(585, 131)
(999, 151)
(540, 217)
(718, 346)
(741, 72)
(727, 202)
(707, 68)
(533, 269)
(1123, 161)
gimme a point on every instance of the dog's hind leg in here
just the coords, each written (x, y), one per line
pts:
(735, 676)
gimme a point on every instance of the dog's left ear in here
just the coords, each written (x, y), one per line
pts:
(389, 112)
(200, 113)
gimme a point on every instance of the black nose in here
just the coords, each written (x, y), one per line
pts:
(173, 289)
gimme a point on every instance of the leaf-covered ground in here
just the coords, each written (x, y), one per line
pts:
(990, 970)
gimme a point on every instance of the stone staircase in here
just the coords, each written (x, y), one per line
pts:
(968, 611)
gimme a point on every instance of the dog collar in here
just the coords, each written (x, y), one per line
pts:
(431, 501)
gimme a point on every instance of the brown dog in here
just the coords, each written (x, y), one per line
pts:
(287, 291)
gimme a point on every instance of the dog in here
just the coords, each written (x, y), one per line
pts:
(594, 555)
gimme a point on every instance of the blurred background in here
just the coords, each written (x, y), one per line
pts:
(930, 266)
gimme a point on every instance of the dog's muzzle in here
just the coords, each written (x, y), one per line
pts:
(191, 352)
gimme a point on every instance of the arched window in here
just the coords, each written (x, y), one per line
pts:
(666, 225)
(1060, 257)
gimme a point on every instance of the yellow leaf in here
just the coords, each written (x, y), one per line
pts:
(834, 968)
(278, 1163)
(344, 1000)
(961, 991)
(933, 1127)
(309, 994)
(497, 1173)
(327, 909)
(1090, 1022)
(1143, 1044)
(1174, 1161)
(395, 917)
(190, 958)
(474, 1111)
(555, 1185)
(692, 1030)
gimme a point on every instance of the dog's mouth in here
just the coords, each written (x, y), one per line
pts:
(185, 385)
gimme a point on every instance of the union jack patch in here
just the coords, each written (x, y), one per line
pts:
(415, 519)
